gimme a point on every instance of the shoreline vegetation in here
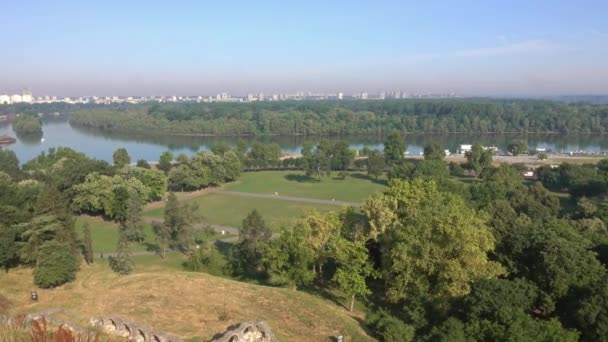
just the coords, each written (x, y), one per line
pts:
(336, 118)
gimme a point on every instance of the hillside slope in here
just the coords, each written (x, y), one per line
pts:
(186, 304)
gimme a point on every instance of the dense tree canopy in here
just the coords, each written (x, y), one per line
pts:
(352, 117)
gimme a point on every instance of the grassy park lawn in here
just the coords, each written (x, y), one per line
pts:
(230, 210)
(105, 235)
(356, 187)
(187, 304)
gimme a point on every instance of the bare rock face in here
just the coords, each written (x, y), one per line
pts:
(254, 331)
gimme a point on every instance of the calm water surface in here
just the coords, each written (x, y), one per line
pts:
(101, 145)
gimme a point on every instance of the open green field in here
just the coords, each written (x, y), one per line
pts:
(202, 306)
(356, 187)
(105, 235)
(230, 210)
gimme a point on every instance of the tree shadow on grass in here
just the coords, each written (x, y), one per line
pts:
(292, 177)
(151, 247)
(371, 179)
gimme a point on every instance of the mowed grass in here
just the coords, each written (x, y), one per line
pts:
(186, 304)
(105, 234)
(230, 210)
(356, 187)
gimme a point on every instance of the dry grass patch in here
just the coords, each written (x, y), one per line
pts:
(187, 304)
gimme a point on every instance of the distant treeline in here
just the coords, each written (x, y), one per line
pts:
(352, 117)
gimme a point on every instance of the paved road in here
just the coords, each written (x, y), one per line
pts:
(290, 198)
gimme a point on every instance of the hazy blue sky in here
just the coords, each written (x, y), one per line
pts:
(530, 47)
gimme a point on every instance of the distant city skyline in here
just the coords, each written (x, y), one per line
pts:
(145, 48)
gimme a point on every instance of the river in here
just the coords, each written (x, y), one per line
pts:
(100, 145)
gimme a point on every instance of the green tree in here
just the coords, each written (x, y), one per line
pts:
(375, 164)
(57, 265)
(342, 156)
(353, 267)
(394, 148)
(290, 258)
(431, 242)
(121, 157)
(163, 237)
(478, 159)
(9, 163)
(252, 235)
(320, 230)
(434, 151)
(134, 221)
(87, 244)
(122, 263)
(164, 163)
(179, 218)
(9, 248)
(517, 147)
(143, 164)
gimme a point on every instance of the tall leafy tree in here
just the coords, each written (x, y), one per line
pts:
(290, 258)
(320, 230)
(517, 147)
(121, 157)
(122, 263)
(375, 164)
(164, 163)
(252, 235)
(434, 151)
(9, 248)
(87, 244)
(179, 218)
(394, 148)
(134, 222)
(478, 159)
(353, 267)
(9, 163)
(431, 242)
(57, 265)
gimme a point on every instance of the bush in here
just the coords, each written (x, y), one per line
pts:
(391, 329)
(57, 265)
(542, 156)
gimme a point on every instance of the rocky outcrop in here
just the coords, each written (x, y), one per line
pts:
(255, 331)
(130, 331)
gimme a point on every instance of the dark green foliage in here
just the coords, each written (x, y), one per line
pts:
(122, 263)
(57, 265)
(28, 123)
(375, 164)
(179, 220)
(164, 163)
(517, 147)
(204, 169)
(434, 152)
(247, 253)
(9, 248)
(478, 159)
(121, 158)
(9, 163)
(394, 148)
(290, 258)
(390, 328)
(263, 155)
(143, 164)
(307, 118)
(134, 222)
(87, 244)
